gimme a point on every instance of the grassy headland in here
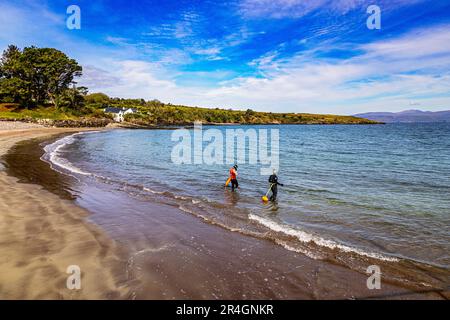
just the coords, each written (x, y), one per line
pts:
(157, 113)
(38, 85)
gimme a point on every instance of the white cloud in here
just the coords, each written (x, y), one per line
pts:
(26, 24)
(278, 9)
(208, 51)
(135, 79)
(184, 27)
(413, 46)
(117, 40)
(94, 77)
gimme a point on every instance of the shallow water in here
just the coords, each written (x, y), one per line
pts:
(351, 192)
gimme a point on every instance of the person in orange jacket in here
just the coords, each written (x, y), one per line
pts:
(233, 177)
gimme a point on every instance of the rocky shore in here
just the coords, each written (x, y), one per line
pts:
(11, 124)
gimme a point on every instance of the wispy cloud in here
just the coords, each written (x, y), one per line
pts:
(278, 9)
(187, 32)
(185, 25)
(372, 80)
(418, 44)
(25, 23)
(94, 77)
(376, 77)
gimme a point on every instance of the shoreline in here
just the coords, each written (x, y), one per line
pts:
(43, 234)
(299, 277)
(108, 124)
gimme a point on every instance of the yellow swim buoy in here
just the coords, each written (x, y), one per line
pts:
(265, 198)
(228, 182)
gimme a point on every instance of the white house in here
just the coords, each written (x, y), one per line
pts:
(119, 113)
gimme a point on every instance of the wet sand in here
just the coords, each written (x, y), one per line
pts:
(172, 255)
(41, 234)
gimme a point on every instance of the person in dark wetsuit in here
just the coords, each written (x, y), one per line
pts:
(233, 176)
(273, 180)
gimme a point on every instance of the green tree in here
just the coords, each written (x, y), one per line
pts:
(13, 86)
(36, 75)
(97, 97)
(72, 98)
(249, 114)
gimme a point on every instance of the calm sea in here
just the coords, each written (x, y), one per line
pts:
(350, 192)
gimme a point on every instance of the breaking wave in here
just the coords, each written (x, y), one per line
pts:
(53, 154)
(309, 238)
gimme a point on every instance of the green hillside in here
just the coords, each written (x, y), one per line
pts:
(40, 83)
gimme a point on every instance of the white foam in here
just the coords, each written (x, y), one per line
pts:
(306, 237)
(152, 191)
(152, 250)
(298, 250)
(208, 220)
(182, 208)
(53, 154)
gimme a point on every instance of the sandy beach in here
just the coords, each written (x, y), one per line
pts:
(42, 234)
(173, 255)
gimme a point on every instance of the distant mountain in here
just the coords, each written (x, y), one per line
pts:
(407, 116)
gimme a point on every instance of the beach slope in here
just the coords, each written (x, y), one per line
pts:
(41, 235)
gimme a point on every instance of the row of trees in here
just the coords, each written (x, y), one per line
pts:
(39, 76)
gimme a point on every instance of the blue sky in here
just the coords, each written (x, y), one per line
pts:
(313, 56)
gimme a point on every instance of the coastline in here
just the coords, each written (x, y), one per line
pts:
(42, 234)
(185, 254)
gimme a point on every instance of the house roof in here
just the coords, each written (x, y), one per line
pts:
(113, 110)
(117, 110)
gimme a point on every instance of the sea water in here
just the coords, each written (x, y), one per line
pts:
(375, 191)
